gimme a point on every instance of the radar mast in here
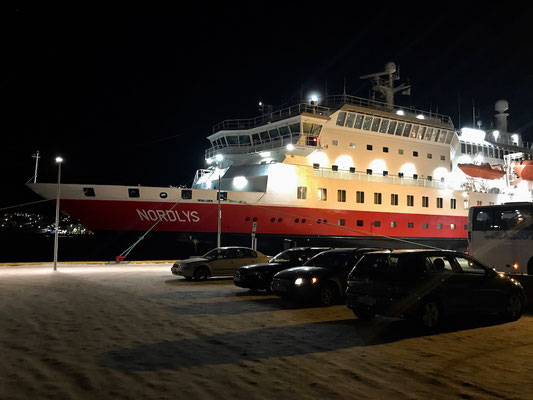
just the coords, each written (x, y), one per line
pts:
(385, 86)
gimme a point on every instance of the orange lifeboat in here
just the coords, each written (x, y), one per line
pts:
(484, 171)
(524, 169)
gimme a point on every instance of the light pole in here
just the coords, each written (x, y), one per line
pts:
(218, 159)
(59, 161)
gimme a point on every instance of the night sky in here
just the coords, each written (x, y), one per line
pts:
(127, 94)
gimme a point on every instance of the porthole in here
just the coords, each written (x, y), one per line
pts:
(297, 220)
(272, 219)
(303, 220)
(254, 219)
(325, 221)
(163, 195)
(247, 219)
(280, 219)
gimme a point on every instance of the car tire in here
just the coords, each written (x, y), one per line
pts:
(430, 314)
(201, 273)
(363, 315)
(513, 308)
(329, 294)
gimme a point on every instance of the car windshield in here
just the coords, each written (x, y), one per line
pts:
(287, 256)
(213, 253)
(328, 259)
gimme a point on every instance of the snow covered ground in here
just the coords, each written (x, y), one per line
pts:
(135, 331)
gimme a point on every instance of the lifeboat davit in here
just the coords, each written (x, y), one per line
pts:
(485, 171)
(524, 169)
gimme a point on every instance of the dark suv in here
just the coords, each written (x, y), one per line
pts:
(429, 284)
(259, 276)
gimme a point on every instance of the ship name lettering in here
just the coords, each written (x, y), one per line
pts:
(169, 215)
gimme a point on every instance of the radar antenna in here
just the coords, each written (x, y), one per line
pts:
(385, 86)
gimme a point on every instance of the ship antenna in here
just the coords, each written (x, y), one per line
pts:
(36, 156)
(386, 86)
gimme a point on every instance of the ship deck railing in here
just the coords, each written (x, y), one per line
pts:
(257, 147)
(392, 179)
(332, 102)
(292, 111)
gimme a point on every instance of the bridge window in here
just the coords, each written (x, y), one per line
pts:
(383, 127)
(284, 131)
(186, 194)
(350, 120)
(301, 193)
(340, 119)
(399, 128)
(134, 193)
(89, 192)
(244, 140)
(264, 136)
(375, 124)
(255, 138)
(295, 128)
(392, 127)
(367, 123)
(232, 140)
(274, 134)
(358, 121)
(407, 130)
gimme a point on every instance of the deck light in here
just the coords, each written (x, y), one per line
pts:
(290, 147)
(219, 157)
(420, 116)
(400, 112)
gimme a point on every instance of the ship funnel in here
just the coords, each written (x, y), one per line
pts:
(501, 117)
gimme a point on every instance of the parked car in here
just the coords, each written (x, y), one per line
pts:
(428, 285)
(222, 261)
(259, 276)
(322, 278)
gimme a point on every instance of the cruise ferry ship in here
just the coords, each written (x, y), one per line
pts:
(340, 168)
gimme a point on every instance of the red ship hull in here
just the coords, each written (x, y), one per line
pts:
(273, 220)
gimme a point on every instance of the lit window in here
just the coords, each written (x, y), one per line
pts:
(352, 145)
(400, 152)
(334, 142)
(452, 226)
(453, 204)
(301, 193)
(439, 226)
(322, 194)
(410, 200)
(377, 198)
(425, 201)
(133, 193)
(393, 224)
(341, 195)
(466, 204)
(360, 197)
(394, 199)
(342, 222)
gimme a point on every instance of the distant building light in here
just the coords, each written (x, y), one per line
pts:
(400, 112)
(59, 160)
(420, 116)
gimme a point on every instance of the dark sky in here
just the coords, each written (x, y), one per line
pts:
(127, 93)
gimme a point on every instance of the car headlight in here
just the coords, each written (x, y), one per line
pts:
(298, 281)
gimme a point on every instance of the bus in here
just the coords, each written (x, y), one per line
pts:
(501, 236)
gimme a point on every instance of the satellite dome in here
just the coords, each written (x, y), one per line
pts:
(501, 106)
(390, 67)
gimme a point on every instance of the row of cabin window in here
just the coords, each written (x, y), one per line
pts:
(289, 131)
(301, 194)
(487, 151)
(393, 127)
(369, 147)
(186, 194)
(394, 224)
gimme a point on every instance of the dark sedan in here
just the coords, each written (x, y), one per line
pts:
(428, 285)
(259, 276)
(322, 278)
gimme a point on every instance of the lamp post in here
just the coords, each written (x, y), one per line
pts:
(59, 161)
(218, 159)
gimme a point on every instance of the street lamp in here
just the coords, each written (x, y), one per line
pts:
(219, 158)
(59, 161)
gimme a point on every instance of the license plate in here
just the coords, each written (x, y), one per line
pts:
(368, 300)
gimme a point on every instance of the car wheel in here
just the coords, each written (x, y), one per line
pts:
(201, 273)
(430, 314)
(329, 294)
(363, 315)
(513, 308)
